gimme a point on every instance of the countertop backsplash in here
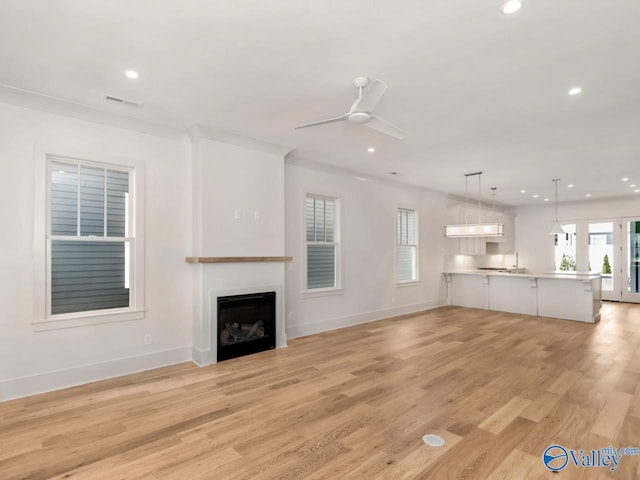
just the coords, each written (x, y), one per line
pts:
(472, 262)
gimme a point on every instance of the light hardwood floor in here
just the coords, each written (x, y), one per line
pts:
(354, 404)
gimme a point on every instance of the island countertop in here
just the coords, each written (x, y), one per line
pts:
(568, 296)
(553, 275)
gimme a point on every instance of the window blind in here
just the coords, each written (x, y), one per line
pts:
(406, 246)
(321, 242)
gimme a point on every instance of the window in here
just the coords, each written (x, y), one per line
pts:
(406, 246)
(322, 242)
(91, 253)
(565, 249)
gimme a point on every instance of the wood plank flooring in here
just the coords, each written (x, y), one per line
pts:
(354, 404)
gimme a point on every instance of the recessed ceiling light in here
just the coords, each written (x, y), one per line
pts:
(636, 191)
(523, 191)
(625, 179)
(511, 7)
(546, 199)
(570, 185)
(575, 91)
(132, 74)
(588, 195)
(536, 196)
(371, 149)
(632, 185)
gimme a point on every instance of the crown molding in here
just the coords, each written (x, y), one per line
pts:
(36, 101)
(202, 132)
(295, 159)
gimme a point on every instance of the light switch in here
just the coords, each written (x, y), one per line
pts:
(237, 214)
(256, 215)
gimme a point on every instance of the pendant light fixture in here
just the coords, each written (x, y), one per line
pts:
(474, 229)
(557, 228)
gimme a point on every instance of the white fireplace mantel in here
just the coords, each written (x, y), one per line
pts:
(237, 259)
(219, 279)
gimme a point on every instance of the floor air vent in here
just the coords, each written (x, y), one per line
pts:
(433, 440)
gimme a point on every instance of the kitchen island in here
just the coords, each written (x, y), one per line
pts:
(556, 295)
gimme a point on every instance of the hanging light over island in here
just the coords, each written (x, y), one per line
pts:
(557, 228)
(474, 229)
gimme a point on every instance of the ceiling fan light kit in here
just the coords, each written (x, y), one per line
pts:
(361, 110)
(474, 229)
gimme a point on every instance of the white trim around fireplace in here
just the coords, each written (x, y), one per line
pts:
(209, 356)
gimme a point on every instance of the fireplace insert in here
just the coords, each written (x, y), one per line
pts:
(246, 324)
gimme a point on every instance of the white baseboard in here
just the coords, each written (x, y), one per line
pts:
(296, 331)
(59, 379)
(202, 358)
(56, 380)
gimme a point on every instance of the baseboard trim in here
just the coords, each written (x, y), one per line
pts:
(202, 358)
(50, 381)
(59, 379)
(296, 331)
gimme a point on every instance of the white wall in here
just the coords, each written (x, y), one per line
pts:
(32, 362)
(535, 245)
(247, 182)
(239, 212)
(191, 194)
(368, 215)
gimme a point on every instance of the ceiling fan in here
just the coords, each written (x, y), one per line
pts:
(362, 108)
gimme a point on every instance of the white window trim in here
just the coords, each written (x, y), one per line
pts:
(43, 320)
(338, 289)
(406, 283)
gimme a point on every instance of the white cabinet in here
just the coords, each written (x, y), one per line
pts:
(466, 246)
(570, 297)
(473, 245)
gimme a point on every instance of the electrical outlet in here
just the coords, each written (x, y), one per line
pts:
(237, 213)
(148, 339)
(256, 215)
(290, 315)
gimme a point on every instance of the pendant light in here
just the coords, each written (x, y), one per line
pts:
(474, 229)
(557, 228)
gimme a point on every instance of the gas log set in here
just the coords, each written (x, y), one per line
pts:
(236, 333)
(246, 324)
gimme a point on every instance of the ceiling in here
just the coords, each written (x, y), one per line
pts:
(477, 90)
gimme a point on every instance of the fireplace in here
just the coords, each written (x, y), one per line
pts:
(246, 324)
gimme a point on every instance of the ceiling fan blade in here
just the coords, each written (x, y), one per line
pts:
(383, 126)
(322, 122)
(370, 97)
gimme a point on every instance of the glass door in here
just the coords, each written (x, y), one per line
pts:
(565, 249)
(603, 259)
(631, 260)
